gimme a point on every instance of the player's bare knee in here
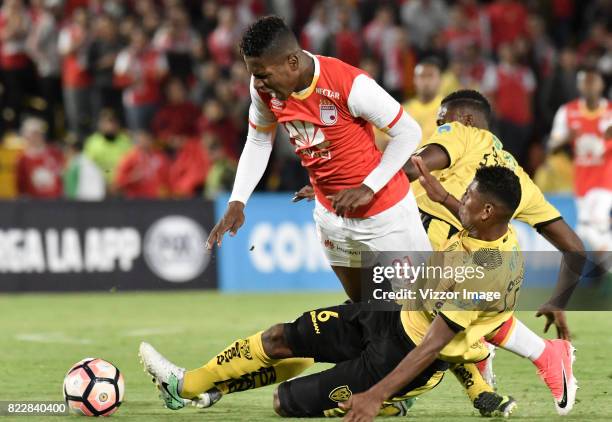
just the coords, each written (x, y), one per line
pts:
(274, 342)
(276, 404)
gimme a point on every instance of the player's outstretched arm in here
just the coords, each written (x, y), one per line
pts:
(434, 157)
(574, 257)
(434, 189)
(363, 407)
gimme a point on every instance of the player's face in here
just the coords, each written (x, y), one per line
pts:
(276, 76)
(427, 79)
(473, 208)
(590, 85)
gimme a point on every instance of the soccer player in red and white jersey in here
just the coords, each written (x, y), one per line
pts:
(586, 124)
(363, 198)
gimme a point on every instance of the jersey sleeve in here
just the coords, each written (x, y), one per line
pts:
(371, 102)
(560, 130)
(534, 209)
(452, 138)
(260, 116)
(458, 320)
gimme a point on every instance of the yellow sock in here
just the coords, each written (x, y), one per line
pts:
(292, 367)
(279, 372)
(471, 380)
(242, 365)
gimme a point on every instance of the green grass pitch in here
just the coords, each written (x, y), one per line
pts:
(43, 335)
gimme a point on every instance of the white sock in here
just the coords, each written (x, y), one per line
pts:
(524, 342)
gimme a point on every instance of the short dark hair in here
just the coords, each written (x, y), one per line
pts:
(264, 35)
(470, 98)
(431, 61)
(501, 183)
(590, 69)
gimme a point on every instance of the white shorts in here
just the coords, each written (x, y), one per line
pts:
(594, 225)
(398, 228)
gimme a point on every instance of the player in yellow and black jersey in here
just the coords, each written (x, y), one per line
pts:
(381, 356)
(502, 266)
(460, 146)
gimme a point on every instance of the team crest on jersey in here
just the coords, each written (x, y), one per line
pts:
(340, 394)
(328, 113)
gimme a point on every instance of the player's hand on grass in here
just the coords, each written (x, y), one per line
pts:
(362, 407)
(347, 200)
(555, 316)
(432, 186)
(231, 221)
(307, 192)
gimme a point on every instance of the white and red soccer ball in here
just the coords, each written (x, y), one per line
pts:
(93, 387)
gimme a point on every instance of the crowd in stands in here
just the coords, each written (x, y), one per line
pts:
(149, 98)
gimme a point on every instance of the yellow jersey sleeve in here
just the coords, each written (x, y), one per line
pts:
(534, 209)
(459, 320)
(452, 138)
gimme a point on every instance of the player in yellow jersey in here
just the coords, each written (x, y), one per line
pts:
(461, 144)
(484, 194)
(386, 355)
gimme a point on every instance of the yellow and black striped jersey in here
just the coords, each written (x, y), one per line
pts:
(469, 148)
(496, 266)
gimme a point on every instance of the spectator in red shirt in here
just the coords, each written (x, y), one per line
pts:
(344, 44)
(178, 117)
(179, 42)
(143, 172)
(507, 21)
(214, 121)
(377, 31)
(39, 168)
(399, 61)
(222, 41)
(510, 88)
(139, 69)
(460, 33)
(188, 168)
(73, 42)
(315, 32)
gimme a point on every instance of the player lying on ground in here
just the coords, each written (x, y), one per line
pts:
(387, 355)
(461, 144)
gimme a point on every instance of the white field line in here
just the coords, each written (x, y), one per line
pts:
(155, 331)
(52, 337)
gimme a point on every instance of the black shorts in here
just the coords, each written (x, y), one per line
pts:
(364, 344)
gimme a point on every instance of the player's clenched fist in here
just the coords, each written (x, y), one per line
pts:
(348, 200)
(231, 221)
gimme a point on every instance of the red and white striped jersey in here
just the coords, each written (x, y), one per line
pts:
(592, 150)
(330, 126)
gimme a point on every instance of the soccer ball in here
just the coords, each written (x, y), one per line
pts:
(93, 387)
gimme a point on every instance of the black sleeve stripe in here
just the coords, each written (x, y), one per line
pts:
(539, 226)
(443, 148)
(455, 328)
